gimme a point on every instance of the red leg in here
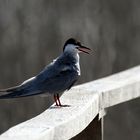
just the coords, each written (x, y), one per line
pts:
(58, 100)
(55, 99)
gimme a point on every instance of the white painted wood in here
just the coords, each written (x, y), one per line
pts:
(86, 100)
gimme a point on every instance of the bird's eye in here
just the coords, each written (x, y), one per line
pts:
(78, 43)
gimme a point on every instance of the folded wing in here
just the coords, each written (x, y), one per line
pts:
(50, 80)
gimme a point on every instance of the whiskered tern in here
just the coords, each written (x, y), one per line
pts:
(57, 77)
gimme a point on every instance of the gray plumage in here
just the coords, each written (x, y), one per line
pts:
(58, 76)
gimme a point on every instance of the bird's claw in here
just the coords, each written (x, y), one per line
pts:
(62, 105)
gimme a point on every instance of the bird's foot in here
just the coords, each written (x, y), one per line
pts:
(62, 105)
(65, 106)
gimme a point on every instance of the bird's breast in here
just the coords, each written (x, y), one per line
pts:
(77, 65)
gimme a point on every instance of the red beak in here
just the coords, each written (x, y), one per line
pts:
(84, 49)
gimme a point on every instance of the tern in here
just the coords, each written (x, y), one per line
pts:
(57, 77)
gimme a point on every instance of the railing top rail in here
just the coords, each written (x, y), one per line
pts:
(86, 100)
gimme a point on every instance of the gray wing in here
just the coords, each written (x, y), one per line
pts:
(59, 82)
(58, 76)
(53, 79)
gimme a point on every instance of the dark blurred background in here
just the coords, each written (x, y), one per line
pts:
(32, 33)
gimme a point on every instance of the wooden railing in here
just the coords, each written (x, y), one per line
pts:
(88, 103)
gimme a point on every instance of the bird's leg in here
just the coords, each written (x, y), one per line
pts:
(57, 96)
(55, 99)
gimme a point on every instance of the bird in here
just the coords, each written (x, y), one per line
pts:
(57, 77)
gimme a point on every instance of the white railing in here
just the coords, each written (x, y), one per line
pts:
(87, 101)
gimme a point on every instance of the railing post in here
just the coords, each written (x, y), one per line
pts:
(94, 131)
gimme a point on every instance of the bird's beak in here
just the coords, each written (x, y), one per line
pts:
(84, 49)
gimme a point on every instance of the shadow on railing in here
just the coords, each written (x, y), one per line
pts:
(88, 104)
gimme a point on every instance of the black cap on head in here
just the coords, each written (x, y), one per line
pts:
(71, 41)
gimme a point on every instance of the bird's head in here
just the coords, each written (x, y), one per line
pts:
(72, 45)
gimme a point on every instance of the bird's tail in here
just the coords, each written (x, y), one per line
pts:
(16, 92)
(10, 93)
